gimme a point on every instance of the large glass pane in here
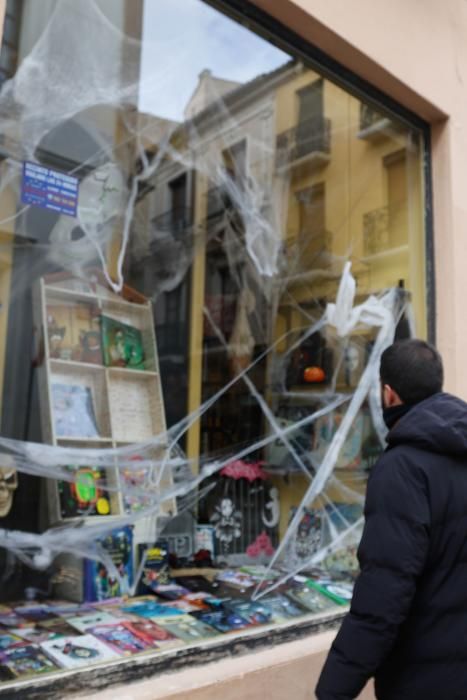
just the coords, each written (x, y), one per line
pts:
(205, 246)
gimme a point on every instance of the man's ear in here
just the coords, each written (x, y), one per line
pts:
(390, 397)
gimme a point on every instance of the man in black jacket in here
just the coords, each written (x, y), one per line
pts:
(407, 624)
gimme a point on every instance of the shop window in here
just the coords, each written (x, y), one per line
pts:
(187, 249)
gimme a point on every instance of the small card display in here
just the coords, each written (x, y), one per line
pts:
(75, 652)
(84, 496)
(122, 344)
(73, 411)
(28, 660)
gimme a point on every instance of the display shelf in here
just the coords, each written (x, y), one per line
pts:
(87, 402)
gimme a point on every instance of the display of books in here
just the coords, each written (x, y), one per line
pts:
(307, 596)
(338, 591)
(223, 620)
(83, 623)
(75, 652)
(122, 344)
(99, 584)
(188, 628)
(73, 411)
(28, 660)
(9, 640)
(121, 638)
(153, 634)
(253, 613)
(282, 609)
(151, 609)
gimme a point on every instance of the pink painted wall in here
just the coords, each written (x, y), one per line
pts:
(415, 52)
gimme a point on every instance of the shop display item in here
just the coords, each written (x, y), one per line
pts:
(282, 609)
(253, 613)
(338, 591)
(224, 620)
(150, 609)
(121, 638)
(122, 344)
(188, 628)
(76, 652)
(84, 496)
(8, 486)
(83, 623)
(9, 640)
(26, 661)
(99, 584)
(302, 592)
(153, 634)
(73, 411)
(156, 570)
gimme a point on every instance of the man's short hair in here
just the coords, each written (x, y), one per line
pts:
(413, 368)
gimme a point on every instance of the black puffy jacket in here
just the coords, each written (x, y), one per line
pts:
(407, 624)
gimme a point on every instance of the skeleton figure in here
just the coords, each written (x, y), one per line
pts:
(227, 523)
(8, 486)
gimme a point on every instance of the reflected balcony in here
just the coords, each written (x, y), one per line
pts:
(308, 144)
(374, 126)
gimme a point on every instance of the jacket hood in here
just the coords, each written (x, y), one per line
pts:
(437, 424)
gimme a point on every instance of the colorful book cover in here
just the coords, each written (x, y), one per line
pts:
(85, 622)
(223, 620)
(153, 634)
(252, 612)
(236, 579)
(99, 584)
(121, 638)
(86, 495)
(75, 652)
(205, 539)
(187, 627)
(32, 635)
(73, 411)
(309, 598)
(59, 627)
(338, 591)
(122, 344)
(282, 609)
(27, 660)
(35, 613)
(9, 640)
(12, 619)
(150, 609)
(156, 570)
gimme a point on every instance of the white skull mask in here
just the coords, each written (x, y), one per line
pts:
(8, 486)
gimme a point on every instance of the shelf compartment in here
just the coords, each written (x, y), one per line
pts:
(145, 481)
(140, 321)
(78, 396)
(136, 410)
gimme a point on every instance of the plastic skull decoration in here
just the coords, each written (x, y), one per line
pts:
(8, 486)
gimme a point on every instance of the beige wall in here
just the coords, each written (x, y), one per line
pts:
(416, 53)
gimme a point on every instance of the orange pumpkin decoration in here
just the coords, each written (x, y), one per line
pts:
(313, 375)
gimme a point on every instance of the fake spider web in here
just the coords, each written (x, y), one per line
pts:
(59, 84)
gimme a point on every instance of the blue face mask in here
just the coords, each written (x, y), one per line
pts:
(394, 413)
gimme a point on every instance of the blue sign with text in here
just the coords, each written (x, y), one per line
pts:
(49, 189)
